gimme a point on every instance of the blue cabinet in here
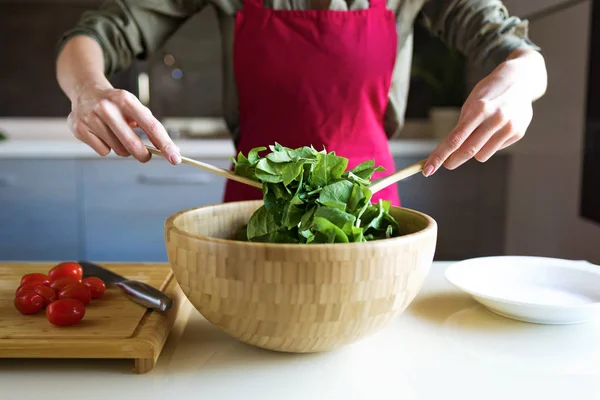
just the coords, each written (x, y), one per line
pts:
(468, 204)
(39, 214)
(125, 204)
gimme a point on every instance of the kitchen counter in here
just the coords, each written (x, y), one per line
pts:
(194, 148)
(444, 346)
(50, 138)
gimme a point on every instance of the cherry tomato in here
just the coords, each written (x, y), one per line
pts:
(68, 268)
(29, 302)
(60, 283)
(76, 291)
(35, 278)
(65, 312)
(31, 286)
(47, 293)
(95, 285)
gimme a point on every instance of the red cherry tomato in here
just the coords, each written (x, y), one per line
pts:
(60, 283)
(29, 302)
(95, 285)
(71, 269)
(77, 292)
(31, 286)
(47, 293)
(35, 278)
(65, 312)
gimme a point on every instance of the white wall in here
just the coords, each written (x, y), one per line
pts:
(544, 184)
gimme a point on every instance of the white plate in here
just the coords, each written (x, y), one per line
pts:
(532, 289)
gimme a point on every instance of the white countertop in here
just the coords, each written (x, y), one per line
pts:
(194, 148)
(50, 138)
(444, 346)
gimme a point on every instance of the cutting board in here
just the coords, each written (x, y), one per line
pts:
(113, 326)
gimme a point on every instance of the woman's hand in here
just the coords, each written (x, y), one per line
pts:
(496, 114)
(103, 118)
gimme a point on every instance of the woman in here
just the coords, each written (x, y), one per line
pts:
(307, 73)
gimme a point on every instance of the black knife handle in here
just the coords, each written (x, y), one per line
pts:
(146, 295)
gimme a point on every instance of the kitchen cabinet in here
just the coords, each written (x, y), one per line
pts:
(467, 203)
(39, 215)
(125, 204)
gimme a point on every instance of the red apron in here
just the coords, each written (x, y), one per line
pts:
(317, 78)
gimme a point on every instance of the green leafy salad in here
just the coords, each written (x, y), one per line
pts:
(309, 197)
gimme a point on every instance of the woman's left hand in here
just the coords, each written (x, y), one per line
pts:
(496, 114)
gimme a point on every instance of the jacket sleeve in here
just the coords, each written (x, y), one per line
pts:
(482, 30)
(132, 29)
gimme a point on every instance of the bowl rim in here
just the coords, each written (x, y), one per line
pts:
(169, 226)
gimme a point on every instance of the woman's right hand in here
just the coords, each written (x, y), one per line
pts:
(103, 118)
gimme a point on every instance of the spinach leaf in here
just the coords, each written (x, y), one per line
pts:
(339, 191)
(266, 177)
(309, 197)
(245, 170)
(353, 177)
(366, 169)
(357, 198)
(372, 217)
(330, 232)
(328, 169)
(268, 171)
(292, 171)
(261, 223)
(339, 218)
(357, 234)
(308, 235)
(338, 205)
(307, 153)
(253, 156)
(279, 156)
(292, 213)
(378, 223)
(306, 219)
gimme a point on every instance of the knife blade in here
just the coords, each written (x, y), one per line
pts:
(139, 292)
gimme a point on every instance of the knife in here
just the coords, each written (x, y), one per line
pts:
(139, 292)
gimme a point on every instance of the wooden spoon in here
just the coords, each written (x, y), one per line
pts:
(375, 186)
(211, 168)
(397, 176)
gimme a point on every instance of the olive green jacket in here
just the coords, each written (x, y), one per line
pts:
(133, 29)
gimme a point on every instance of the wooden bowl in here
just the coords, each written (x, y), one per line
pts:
(292, 297)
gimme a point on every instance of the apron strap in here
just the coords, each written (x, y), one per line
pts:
(378, 4)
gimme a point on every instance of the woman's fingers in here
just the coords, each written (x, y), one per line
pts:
(142, 116)
(103, 132)
(469, 121)
(506, 133)
(82, 132)
(512, 140)
(113, 118)
(476, 141)
(96, 144)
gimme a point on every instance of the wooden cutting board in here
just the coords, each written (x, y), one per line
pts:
(113, 326)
